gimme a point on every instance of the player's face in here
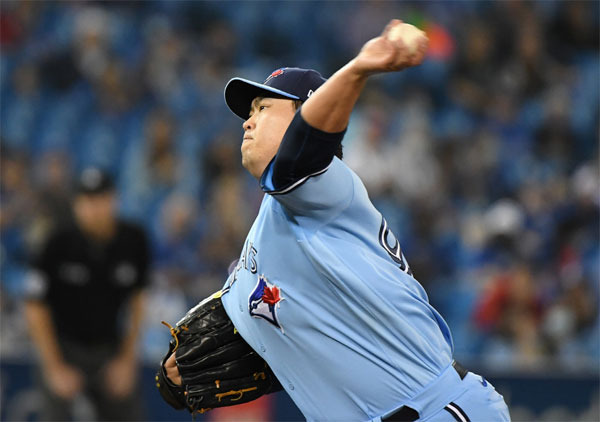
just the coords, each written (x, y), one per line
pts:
(263, 132)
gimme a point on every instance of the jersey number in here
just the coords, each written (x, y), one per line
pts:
(395, 252)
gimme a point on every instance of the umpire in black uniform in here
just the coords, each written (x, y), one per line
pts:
(84, 306)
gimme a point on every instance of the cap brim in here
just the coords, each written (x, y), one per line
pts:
(239, 94)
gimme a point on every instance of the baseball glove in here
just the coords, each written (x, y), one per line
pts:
(217, 367)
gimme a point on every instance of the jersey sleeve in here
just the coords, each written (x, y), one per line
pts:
(305, 176)
(37, 280)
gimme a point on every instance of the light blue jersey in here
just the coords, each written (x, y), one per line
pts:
(323, 293)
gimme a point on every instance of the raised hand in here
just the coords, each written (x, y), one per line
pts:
(390, 52)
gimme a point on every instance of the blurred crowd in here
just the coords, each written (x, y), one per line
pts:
(484, 160)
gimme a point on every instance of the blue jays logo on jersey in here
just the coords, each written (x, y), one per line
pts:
(264, 301)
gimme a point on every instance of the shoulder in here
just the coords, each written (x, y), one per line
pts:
(62, 235)
(56, 245)
(336, 175)
(130, 232)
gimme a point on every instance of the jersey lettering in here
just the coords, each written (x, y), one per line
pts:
(247, 258)
(242, 262)
(247, 261)
(395, 252)
(250, 254)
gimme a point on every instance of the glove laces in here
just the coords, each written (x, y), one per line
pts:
(174, 332)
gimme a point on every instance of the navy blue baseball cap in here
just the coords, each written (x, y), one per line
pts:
(287, 82)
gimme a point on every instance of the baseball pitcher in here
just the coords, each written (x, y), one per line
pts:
(322, 300)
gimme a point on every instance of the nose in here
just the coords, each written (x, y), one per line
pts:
(248, 124)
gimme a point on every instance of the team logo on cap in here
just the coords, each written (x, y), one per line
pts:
(275, 74)
(264, 301)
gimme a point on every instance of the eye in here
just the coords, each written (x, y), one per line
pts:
(261, 108)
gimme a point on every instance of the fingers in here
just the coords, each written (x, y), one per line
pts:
(171, 363)
(172, 370)
(173, 375)
(389, 27)
(408, 42)
(400, 46)
(411, 55)
(423, 47)
(421, 51)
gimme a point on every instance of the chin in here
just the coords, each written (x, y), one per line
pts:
(254, 169)
(246, 163)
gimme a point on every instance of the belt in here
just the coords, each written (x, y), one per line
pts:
(408, 414)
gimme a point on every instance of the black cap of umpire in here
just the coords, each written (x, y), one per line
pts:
(94, 181)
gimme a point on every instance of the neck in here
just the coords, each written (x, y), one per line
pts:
(100, 232)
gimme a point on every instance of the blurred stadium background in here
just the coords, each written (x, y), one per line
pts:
(484, 160)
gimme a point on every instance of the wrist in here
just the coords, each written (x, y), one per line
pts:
(355, 73)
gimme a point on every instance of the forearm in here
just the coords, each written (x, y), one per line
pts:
(329, 108)
(43, 333)
(136, 314)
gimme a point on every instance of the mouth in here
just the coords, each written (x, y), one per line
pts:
(247, 140)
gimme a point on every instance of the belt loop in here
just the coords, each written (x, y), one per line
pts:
(404, 414)
(460, 370)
